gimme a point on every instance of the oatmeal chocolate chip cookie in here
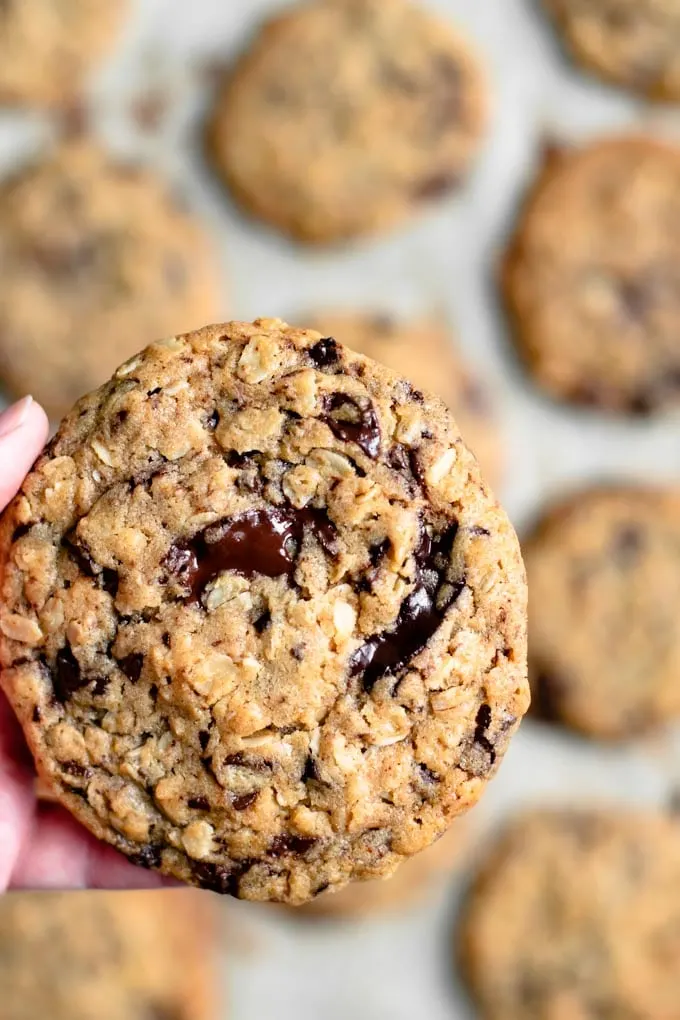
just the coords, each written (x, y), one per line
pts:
(592, 277)
(261, 620)
(109, 956)
(413, 882)
(48, 48)
(576, 916)
(346, 116)
(95, 255)
(604, 605)
(422, 351)
(634, 43)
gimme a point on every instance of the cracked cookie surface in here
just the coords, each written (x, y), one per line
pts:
(47, 48)
(604, 603)
(592, 277)
(262, 622)
(346, 116)
(576, 915)
(422, 351)
(109, 956)
(97, 257)
(634, 43)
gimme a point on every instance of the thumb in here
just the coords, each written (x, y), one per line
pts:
(23, 431)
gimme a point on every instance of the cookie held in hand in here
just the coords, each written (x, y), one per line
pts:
(262, 621)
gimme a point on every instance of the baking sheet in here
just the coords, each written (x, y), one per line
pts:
(399, 967)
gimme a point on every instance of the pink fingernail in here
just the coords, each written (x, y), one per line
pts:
(15, 416)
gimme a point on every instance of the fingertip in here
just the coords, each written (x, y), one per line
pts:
(23, 431)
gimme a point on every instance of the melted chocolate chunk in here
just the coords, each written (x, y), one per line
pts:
(258, 542)
(203, 739)
(148, 857)
(67, 677)
(244, 801)
(291, 844)
(324, 353)
(132, 666)
(199, 803)
(74, 768)
(216, 878)
(212, 421)
(420, 615)
(482, 723)
(37, 714)
(252, 762)
(352, 423)
(20, 531)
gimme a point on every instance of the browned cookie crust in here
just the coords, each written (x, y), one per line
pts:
(262, 622)
(422, 351)
(575, 916)
(345, 116)
(634, 43)
(592, 277)
(96, 256)
(47, 47)
(419, 877)
(107, 956)
(604, 604)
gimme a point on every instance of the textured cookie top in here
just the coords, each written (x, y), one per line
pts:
(576, 916)
(346, 115)
(422, 351)
(109, 956)
(262, 621)
(96, 255)
(47, 47)
(604, 583)
(593, 275)
(634, 43)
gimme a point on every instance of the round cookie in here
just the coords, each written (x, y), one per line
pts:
(633, 43)
(95, 255)
(413, 882)
(604, 583)
(422, 351)
(47, 48)
(262, 622)
(109, 956)
(592, 277)
(346, 116)
(575, 916)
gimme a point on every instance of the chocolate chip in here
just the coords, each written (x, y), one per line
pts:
(153, 693)
(216, 877)
(324, 353)
(20, 531)
(244, 801)
(101, 685)
(377, 552)
(397, 458)
(252, 762)
(420, 615)
(67, 677)
(74, 768)
(203, 739)
(148, 857)
(110, 581)
(212, 421)
(482, 723)
(257, 542)
(298, 652)
(426, 774)
(37, 714)
(199, 803)
(478, 531)
(132, 665)
(291, 844)
(352, 423)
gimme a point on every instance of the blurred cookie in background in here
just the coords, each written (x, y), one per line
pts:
(96, 256)
(346, 116)
(592, 276)
(48, 47)
(604, 604)
(575, 916)
(632, 43)
(107, 956)
(420, 877)
(422, 350)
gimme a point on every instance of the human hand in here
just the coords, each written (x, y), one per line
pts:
(41, 846)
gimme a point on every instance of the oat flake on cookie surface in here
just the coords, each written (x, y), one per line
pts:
(262, 621)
